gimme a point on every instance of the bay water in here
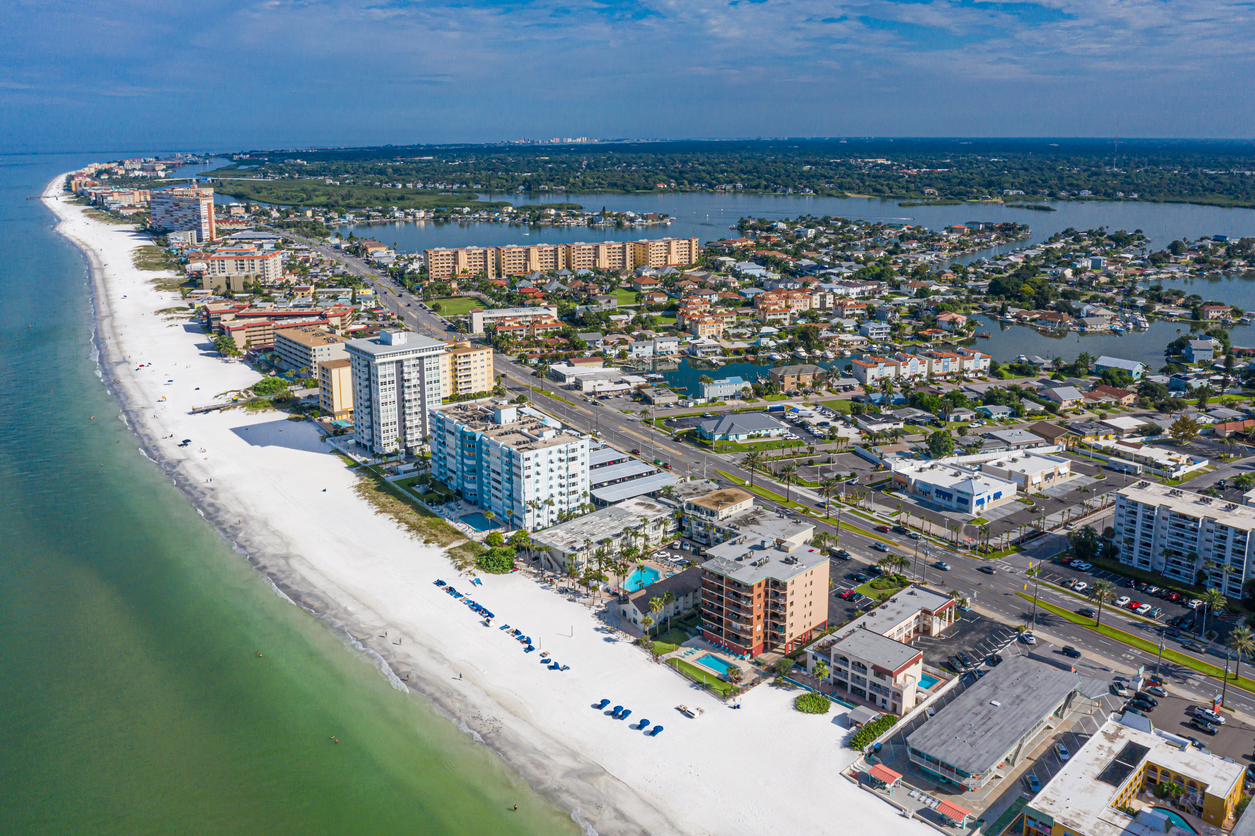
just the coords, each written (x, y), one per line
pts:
(133, 699)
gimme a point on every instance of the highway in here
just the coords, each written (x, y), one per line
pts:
(993, 595)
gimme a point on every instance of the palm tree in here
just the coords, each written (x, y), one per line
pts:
(828, 489)
(1213, 599)
(656, 605)
(901, 563)
(1241, 639)
(787, 475)
(668, 598)
(752, 461)
(1102, 592)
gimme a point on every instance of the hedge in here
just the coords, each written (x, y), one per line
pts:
(871, 731)
(812, 703)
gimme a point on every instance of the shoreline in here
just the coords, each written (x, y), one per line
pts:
(283, 500)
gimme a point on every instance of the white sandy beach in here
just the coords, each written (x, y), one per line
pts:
(765, 769)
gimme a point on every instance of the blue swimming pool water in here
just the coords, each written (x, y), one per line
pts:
(639, 579)
(716, 664)
(927, 681)
(477, 521)
(1175, 818)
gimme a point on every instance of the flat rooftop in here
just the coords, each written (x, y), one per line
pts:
(968, 480)
(875, 648)
(903, 605)
(310, 336)
(976, 730)
(1079, 796)
(529, 431)
(749, 560)
(608, 522)
(1191, 504)
(721, 499)
(375, 346)
(633, 488)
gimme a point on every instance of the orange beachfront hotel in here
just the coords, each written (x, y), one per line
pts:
(521, 259)
(760, 595)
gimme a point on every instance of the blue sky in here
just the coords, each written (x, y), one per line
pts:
(90, 75)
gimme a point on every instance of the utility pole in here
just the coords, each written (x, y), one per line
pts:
(1224, 689)
(1159, 661)
(1032, 621)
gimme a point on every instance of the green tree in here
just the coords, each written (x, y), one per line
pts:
(1101, 593)
(1084, 543)
(820, 672)
(1241, 640)
(1213, 600)
(788, 475)
(1184, 429)
(940, 444)
(656, 605)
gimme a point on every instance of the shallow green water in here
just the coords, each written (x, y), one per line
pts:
(132, 700)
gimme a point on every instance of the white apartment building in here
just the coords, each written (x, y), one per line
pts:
(480, 318)
(514, 461)
(184, 210)
(305, 346)
(396, 382)
(869, 370)
(1180, 534)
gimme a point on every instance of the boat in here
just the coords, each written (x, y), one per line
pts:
(800, 354)
(827, 355)
(983, 335)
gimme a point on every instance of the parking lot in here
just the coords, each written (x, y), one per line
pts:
(974, 635)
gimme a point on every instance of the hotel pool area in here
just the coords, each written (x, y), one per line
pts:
(641, 578)
(1176, 818)
(927, 681)
(715, 664)
(478, 521)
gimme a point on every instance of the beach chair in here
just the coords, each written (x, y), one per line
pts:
(616, 711)
(439, 582)
(623, 715)
(654, 731)
(565, 668)
(555, 666)
(528, 649)
(643, 724)
(601, 706)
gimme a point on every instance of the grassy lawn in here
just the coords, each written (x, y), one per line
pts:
(1145, 577)
(739, 447)
(701, 675)
(388, 499)
(842, 406)
(775, 397)
(1150, 647)
(457, 305)
(879, 586)
(669, 641)
(626, 296)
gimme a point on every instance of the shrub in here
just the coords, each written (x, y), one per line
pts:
(812, 703)
(871, 731)
(270, 386)
(498, 561)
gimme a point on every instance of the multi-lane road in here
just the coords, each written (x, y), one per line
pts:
(994, 595)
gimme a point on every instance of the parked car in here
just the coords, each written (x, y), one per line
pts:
(1142, 708)
(1123, 601)
(1144, 609)
(841, 554)
(1146, 698)
(1207, 714)
(1034, 786)
(1028, 638)
(1071, 652)
(1062, 752)
(994, 660)
(967, 660)
(1203, 726)
(1156, 690)
(954, 664)
(846, 594)
(1134, 605)
(1131, 710)
(1082, 567)
(1080, 587)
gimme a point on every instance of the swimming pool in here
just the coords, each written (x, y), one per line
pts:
(1175, 818)
(477, 521)
(927, 681)
(641, 578)
(716, 664)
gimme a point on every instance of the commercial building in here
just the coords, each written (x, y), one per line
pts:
(466, 370)
(1106, 788)
(184, 210)
(521, 259)
(953, 487)
(1185, 536)
(514, 461)
(482, 318)
(249, 263)
(615, 477)
(305, 346)
(578, 543)
(870, 657)
(1131, 457)
(335, 388)
(986, 731)
(396, 383)
(1030, 471)
(745, 426)
(760, 596)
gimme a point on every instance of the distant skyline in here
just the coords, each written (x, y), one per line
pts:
(283, 73)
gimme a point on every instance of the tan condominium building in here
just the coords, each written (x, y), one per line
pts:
(258, 265)
(761, 594)
(466, 370)
(184, 210)
(521, 259)
(335, 388)
(305, 346)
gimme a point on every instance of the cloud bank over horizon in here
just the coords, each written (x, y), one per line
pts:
(262, 73)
